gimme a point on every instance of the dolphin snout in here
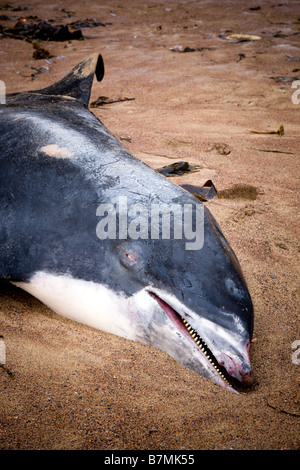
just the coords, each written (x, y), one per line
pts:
(238, 366)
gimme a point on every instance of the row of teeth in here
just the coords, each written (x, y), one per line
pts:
(202, 345)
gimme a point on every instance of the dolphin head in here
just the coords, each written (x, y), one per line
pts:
(193, 304)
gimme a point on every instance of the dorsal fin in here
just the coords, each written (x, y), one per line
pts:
(78, 82)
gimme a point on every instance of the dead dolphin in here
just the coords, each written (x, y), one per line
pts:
(101, 238)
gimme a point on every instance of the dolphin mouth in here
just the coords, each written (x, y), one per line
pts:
(227, 379)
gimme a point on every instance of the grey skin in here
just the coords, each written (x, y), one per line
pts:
(58, 166)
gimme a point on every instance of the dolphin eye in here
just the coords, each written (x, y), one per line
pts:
(129, 257)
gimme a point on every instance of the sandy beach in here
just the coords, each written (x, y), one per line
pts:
(198, 92)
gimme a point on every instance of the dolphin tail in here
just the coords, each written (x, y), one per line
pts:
(78, 82)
